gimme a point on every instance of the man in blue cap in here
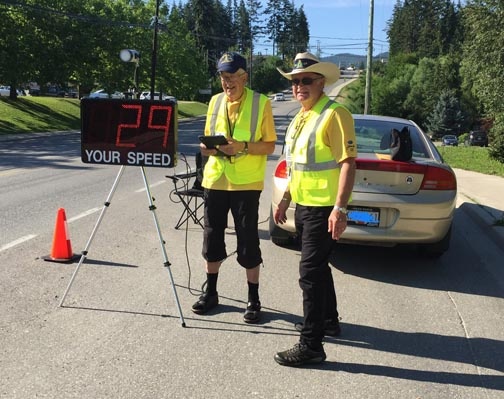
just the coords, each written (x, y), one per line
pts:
(233, 179)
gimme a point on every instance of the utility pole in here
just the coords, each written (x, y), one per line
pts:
(367, 95)
(154, 51)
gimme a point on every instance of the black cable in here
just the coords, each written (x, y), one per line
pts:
(188, 262)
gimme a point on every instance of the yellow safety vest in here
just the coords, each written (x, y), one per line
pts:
(313, 171)
(242, 168)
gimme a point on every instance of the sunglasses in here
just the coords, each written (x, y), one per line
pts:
(305, 81)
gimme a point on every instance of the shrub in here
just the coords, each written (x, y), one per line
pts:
(496, 150)
(463, 137)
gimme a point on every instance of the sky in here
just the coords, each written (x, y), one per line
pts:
(342, 26)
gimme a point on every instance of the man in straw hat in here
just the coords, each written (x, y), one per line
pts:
(320, 153)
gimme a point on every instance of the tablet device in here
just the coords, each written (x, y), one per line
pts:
(212, 141)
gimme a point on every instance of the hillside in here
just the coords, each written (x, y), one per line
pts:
(345, 60)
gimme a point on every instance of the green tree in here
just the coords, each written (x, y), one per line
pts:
(17, 64)
(426, 27)
(274, 23)
(301, 33)
(391, 90)
(243, 29)
(447, 116)
(181, 70)
(483, 62)
(256, 24)
(267, 78)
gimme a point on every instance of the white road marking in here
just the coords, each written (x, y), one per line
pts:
(18, 241)
(79, 216)
(83, 214)
(151, 185)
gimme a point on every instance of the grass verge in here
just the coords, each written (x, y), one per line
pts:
(475, 159)
(48, 114)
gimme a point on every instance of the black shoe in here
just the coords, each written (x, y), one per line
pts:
(300, 354)
(332, 327)
(205, 303)
(253, 313)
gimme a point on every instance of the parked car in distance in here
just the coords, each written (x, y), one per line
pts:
(449, 139)
(72, 93)
(279, 97)
(393, 202)
(477, 137)
(4, 91)
(54, 91)
(145, 95)
(103, 94)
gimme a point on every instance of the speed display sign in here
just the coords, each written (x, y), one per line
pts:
(129, 132)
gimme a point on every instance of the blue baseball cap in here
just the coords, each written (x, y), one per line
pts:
(231, 62)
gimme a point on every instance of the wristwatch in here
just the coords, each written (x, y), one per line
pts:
(341, 209)
(245, 149)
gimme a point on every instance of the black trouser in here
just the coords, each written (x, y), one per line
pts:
(315, 278)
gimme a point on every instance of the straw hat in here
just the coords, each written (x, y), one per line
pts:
(307, 62)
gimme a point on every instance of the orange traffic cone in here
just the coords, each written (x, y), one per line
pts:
(61, 247)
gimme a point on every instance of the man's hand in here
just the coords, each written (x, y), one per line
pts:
(231, 148)
(206, 152)
(280, 215)
(337, 223)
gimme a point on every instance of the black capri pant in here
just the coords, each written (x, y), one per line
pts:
(244, 206)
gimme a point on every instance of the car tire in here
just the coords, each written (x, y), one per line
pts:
(435, 250)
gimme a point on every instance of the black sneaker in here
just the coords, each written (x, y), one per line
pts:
(253, 313)
(300, 354)
(332, 327)
(205, 303)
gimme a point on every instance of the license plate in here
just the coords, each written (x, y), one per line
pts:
(364, 216)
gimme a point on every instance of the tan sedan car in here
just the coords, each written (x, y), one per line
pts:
(392, 202)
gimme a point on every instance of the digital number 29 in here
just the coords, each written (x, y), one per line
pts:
(165, 126)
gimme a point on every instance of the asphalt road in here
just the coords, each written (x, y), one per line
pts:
(412, 328)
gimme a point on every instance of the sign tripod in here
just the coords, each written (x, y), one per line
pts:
(152, 208)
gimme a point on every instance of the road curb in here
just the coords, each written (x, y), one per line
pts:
(484, 218)
(29, 135)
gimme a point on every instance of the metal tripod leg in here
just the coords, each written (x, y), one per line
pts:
(86, 248)
(162, 242)
(95, 229)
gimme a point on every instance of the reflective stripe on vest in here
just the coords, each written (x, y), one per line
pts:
(311, 165)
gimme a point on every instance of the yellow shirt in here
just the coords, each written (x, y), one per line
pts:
(340, 135)
(266, 134)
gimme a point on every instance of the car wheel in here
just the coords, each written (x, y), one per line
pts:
(435, 250)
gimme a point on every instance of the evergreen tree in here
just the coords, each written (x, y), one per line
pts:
(301, 32)
(181, 71)
(256, 26)
(428, 28)
(274, 23)
(447, 116)
(483, 63)
(243, 29)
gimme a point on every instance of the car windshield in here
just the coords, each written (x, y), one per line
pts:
(374, 137)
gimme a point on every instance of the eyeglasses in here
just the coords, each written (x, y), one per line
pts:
(305, 81)
(231, 78)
